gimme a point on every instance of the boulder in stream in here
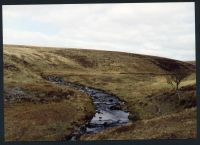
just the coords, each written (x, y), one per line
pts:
(116, 107)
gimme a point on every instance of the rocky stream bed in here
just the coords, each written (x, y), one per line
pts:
(109, 112)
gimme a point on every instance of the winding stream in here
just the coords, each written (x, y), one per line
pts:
(108, 108)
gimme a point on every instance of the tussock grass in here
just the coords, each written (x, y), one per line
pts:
(180, 125)
(52, 120)
(139, 80)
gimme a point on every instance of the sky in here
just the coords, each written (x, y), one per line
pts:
(161, 29)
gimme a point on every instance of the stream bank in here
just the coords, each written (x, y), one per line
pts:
(109, 112)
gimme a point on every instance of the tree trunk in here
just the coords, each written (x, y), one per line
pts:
(179, 97)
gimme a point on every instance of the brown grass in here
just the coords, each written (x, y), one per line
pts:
(44, 117)
(139, 80)
(52, 121)
(174, 126)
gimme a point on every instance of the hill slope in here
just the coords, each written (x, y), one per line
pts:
(138, 80)
(31, 61)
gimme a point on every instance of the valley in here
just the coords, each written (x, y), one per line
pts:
(37, 109)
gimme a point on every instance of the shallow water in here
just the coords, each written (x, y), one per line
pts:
(108, 108)
(105, 116)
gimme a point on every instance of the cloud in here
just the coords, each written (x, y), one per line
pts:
(163, 29)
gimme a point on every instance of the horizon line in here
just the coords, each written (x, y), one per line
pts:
(96, 49)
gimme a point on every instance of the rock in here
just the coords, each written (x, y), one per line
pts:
(110, 100)
(98, 111)
(116, 107)
(106, 124)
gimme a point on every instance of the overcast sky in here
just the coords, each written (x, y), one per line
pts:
(162, 29)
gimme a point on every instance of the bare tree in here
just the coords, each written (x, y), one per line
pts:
(174, 79)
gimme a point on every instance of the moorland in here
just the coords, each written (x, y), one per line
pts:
(36, 109)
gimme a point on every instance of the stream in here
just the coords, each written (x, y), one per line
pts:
(109, 112)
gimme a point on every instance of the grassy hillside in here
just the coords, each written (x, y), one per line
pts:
(192, 62)
(30, 62)
(165, 127)
(139, 80)
(43, 111)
